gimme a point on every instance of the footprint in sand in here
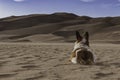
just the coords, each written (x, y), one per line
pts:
(3, 62)
(39, 76)
(101, 75)
(7, 75)
(117, 65)
(29, 66)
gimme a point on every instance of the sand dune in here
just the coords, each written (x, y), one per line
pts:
(24, 56)
(49, 61)
(61, 25)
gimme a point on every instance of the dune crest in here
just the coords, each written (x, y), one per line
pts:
(59, 26)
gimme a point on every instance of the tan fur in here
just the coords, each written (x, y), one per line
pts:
(73, 54)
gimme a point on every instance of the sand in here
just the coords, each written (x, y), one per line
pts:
(49, 61)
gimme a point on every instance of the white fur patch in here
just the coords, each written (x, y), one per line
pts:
(94, 57)
(74, 60)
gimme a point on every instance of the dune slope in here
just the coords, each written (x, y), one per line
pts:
(61, 26)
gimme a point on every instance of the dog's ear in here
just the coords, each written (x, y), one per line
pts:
(78, 36)
(86, 36)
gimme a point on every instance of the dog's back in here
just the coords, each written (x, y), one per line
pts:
(85, 57)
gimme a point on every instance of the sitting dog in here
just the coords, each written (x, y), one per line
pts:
(82, 53)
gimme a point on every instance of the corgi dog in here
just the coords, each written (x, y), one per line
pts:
(82, 53)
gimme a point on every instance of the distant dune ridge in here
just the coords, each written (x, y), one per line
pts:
(58, 27)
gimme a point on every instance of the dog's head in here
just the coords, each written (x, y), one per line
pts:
(82, 41)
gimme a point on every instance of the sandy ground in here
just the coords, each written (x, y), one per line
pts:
(39, 61)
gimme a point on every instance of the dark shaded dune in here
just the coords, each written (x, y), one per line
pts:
(9, 18)
(59, 26)
(19, 36)
(92, 28)
(35, 20)
(42, 28)
(114, 20)
(66, 34)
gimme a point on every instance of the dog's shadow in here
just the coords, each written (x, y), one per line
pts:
(100, 75)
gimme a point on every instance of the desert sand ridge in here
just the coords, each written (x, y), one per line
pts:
(57, 27)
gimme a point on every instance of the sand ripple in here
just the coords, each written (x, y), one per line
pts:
(50, 62)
